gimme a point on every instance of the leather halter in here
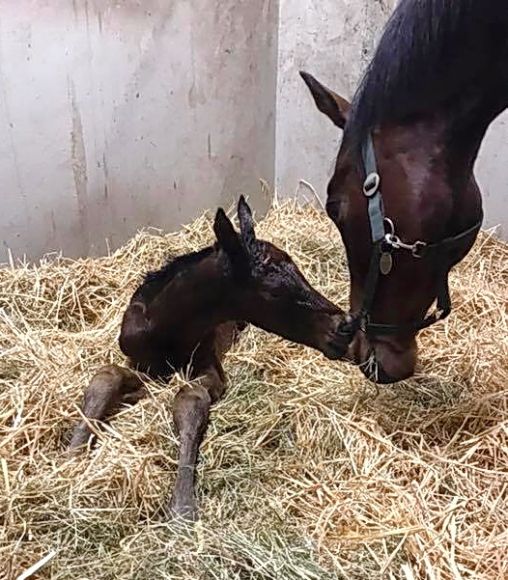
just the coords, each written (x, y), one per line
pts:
(385, 241)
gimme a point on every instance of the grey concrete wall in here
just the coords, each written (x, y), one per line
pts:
(334, 40)
(117, 114)
(121, 114)
(492, 175)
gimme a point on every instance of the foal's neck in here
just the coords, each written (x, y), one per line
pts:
(194, 302)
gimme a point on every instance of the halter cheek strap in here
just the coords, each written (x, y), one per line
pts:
(384, 241)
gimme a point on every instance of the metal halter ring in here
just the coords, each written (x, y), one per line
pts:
(416, 249)
(391, 227)
(371, 184)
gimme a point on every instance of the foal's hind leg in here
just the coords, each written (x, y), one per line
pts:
(191, 416)
(110, 386)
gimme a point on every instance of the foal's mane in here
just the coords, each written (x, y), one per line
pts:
(430, 52)
(176, 265)
(155, 281)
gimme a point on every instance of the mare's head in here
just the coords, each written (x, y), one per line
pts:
(426, 101)
(268, 290)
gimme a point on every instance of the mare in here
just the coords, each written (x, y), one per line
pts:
(438, 78)
(188, 314)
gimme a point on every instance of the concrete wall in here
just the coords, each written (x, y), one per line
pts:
(334, 40)
(492, 175)
(121, 114)
(117, 114)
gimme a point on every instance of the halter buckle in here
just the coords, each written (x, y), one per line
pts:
(371, 184)
(418, 249)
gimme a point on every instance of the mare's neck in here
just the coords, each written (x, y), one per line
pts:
(468, 120)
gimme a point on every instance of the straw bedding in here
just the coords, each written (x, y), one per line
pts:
(306, 473)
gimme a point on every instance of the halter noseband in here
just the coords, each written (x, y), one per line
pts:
(385, 242)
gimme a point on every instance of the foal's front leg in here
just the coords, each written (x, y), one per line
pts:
(111, 386)
(191, 416)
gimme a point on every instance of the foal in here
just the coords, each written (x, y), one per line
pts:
(188, 314)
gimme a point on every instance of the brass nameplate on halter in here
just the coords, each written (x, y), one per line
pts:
(385, 263)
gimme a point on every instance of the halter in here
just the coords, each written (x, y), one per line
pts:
(385, 243)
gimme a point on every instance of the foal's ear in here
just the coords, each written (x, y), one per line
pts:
(331, 104)
(246, 223)
(230, 242)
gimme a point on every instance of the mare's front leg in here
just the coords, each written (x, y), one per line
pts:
(191, 416)
(111, 386)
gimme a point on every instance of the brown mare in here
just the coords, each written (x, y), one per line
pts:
(188, 314)
(439, 77)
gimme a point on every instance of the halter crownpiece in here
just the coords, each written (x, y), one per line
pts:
(385, 241)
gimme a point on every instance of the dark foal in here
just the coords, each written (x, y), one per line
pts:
(188, 314)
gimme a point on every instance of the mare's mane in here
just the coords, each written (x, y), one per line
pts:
(430, 53)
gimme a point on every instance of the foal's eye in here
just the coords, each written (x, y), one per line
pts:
(303, 302)
(277, 293)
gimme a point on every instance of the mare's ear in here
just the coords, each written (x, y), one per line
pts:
(246, 224)
(231, 243)
(331, 104)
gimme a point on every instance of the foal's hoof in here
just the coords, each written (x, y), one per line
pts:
(79, 438)
(181, 510)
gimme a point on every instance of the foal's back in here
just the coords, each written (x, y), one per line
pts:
(174, 317)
